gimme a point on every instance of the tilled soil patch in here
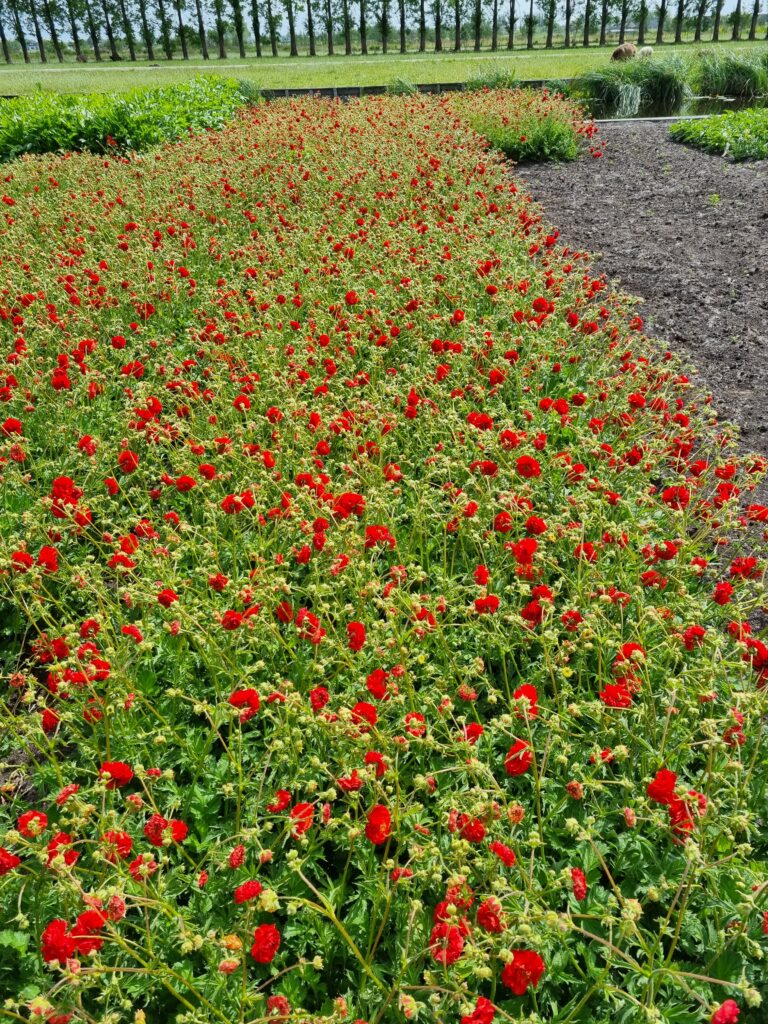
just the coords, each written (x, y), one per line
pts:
(688, 233)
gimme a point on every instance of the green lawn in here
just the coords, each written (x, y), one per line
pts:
(284, 72)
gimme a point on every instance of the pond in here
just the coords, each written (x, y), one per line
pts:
(695, 105)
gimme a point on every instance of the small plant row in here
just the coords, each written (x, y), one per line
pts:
(740, 134)
(48, 123)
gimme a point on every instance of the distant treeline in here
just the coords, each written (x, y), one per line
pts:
(45, 30)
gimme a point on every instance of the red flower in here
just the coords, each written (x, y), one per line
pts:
(519, 759)
(266, 942)
(32, 823)
(161, 832)
(616, 695)
(483, 1013)
(247, 891)
(722, 593)
(118, 774)
(489, 916)
(128, 461)
(487, 605)
(8, 861)
(524, 970)
(116, 844)
(302, 816)
(726, 1013)
(505, 854)
(528, 467)
(56, 942)
(355, 636)
(446, 943)
(379, 826)
(662, 788)
(248, 700)
(579, 882)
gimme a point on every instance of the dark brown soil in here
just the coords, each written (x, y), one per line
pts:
(688, 233)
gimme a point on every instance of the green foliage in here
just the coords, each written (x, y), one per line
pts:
(46, 122)
(740, 134)
(249, 91)
(729, 74)
(640, 86)
(496, 76)
(527, 125)
(401, 87)
(533, 139)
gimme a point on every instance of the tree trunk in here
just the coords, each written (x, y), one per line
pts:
(457, 25)
(642, 21)
(753, 24)
(237, 21)
(477, 23)
(700, 12)
(165, 31)
(660, 26)
(292, 27)
(511, 35)
(146, 32)
(200, 29)
(38, 35)
(551, 12)
(529, 40)
(587, 19)
(128, 30)
(4, 44)
(17, 28)
(363, 28)
(679, 21)
(182, 31)
(495, 26)
(716, 25)
(422, 27)
(347, 26)
(272, 29)
(48, 15)
(568, 19)
(438, 26)
(623, 22)
(92, 32)
(736, 33)
(604, 22)
(311, 28)
(79, 55)
(401, 5)
(329, 27)
(384, 25)
(218, 14)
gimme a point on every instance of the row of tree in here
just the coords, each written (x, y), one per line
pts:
(106, 29)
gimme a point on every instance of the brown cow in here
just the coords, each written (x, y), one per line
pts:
(627, 51)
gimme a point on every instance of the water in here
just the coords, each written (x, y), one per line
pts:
(695, 105)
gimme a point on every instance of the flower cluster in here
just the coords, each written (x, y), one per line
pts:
(377, 599)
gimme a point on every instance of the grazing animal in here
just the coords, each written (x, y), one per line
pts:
(645, 51)
(627, 51)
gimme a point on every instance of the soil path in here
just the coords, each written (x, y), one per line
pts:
(688, 233)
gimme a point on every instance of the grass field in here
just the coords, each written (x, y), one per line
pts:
(284, 72)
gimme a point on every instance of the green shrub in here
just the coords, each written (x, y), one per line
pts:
(533, 139)
(497, 76)
(401, 87)
(135, 120)
(640, 86)
(740, 134)
(729, 74)
(249, 91)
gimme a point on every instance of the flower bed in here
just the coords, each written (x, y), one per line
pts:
(375, 601)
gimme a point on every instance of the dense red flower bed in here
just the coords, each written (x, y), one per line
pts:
(375, 601)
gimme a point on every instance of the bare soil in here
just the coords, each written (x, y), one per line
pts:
(688, 233)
